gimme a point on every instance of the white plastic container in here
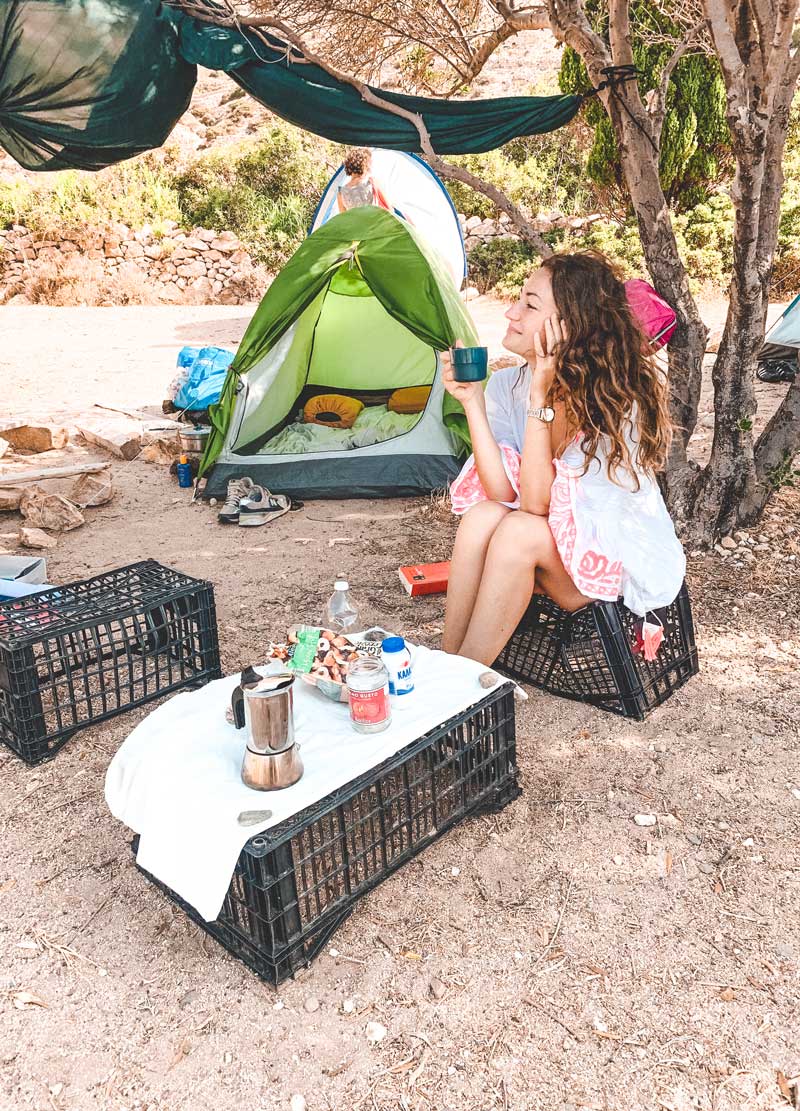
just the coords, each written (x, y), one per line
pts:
(397, 661)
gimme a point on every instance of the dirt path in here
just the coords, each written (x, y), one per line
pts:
(579, 960)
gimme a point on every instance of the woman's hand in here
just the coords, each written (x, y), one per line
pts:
(468, 393)
(546, 345)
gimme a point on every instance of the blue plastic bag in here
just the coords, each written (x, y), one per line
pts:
(203, 387)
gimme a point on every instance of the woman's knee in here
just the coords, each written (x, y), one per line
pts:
(483, 519)
(523, 537)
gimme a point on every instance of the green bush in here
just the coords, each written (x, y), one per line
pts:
(695, 145)
(265, 192)
(540, 173)
(501, 265)
(135, 193)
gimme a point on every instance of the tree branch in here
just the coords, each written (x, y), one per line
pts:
(734, 71)
(521, 222)
(658, 98)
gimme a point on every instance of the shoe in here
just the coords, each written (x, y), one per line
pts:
(777, 370)
(261, 506)
(238, 488)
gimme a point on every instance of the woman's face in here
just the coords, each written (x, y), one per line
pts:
(526, 316)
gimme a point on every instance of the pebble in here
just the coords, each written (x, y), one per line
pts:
(438, 988)
(297, 1103)
(375, 1032)
(227, 1058)
(188, 998)
(708, 869)
(212, 502)
(311, 1004)
(455, 871)
(728, 543)
(796, 792)
(645, 819)
(618, 860)
(348, 1006)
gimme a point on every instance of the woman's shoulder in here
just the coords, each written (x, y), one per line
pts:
(503, 382)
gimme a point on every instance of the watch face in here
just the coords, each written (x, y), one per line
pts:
(548, 414)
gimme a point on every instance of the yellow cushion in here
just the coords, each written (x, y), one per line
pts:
(333, 409)
(411, 399)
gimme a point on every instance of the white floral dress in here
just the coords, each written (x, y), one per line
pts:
(613, 539)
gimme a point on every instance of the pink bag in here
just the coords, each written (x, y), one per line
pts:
(656, 318)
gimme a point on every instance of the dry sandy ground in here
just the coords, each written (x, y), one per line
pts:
(583, 961)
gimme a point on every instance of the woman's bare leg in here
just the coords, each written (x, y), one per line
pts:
(466, 567)
(522, 551)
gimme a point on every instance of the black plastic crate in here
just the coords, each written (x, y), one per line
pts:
(295, 884)
(74, 655)
(588, 655)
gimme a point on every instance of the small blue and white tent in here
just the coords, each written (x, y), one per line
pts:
(782, 341)
(417, 194)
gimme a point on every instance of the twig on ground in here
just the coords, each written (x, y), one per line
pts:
(552, 940)
(92, 917)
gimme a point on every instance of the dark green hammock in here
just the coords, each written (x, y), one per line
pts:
(86, 84)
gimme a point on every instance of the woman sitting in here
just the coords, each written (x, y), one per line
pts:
(560, 495)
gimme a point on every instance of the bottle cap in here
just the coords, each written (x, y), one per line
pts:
(341, 584)
(183, 459)
(393, 644)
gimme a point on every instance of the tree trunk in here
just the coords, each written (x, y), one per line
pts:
(731, 471)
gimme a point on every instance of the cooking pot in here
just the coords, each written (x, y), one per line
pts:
(193, 439)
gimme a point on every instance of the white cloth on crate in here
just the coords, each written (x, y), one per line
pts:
(611, 516)
(176, 780)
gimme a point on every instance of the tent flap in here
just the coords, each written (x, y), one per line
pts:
(86, 84)
(308, 96)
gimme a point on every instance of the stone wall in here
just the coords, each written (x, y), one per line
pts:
(196, 265)
(477, 231)
(199, 266)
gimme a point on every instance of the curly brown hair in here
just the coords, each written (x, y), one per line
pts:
(357, 161)
(605, 366)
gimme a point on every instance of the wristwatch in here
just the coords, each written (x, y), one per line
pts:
(547, 414)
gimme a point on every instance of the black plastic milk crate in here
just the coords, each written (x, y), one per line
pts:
(74, 655)
(588, 655)
(296, 883)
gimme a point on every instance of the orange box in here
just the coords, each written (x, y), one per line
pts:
(425, 578)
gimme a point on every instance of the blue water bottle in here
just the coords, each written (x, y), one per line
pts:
(184, 473)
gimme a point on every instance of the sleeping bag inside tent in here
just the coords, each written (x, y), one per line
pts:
(335, 390)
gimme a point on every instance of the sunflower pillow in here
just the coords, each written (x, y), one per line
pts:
(332, 409)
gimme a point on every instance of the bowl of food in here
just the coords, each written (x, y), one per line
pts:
(322, 657)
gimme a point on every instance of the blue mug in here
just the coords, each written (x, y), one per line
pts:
(470, 364)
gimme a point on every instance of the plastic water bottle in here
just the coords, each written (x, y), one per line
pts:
(342, 613)
(397, 661)
(184, 472)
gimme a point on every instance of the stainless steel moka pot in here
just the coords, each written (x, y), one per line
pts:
(264, 706)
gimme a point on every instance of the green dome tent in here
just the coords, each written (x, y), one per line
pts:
(361, 309)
